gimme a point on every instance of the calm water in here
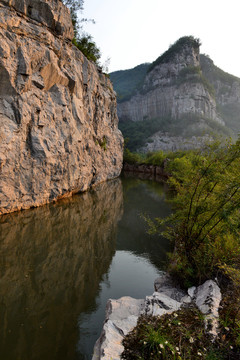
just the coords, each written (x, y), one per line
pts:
(60, 263)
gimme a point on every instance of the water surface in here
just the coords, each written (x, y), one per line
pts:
(60, 263)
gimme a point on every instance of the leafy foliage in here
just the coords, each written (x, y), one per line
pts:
(88, 47)
(82, 40)
(138, 131)
(127, 82)
(205, 224)
(205, 231)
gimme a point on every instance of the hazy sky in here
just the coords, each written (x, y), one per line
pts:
(132, 32)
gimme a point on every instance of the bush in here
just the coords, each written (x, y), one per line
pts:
(204, 226)
(88, 47)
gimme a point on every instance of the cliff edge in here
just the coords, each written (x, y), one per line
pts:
(58, 118)
(179, 101)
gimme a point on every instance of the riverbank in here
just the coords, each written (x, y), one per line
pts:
(205, 234)
(121, 339)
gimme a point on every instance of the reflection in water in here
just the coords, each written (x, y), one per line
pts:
(51, 262)
(138, 258)
(60, 263)
(143, 198)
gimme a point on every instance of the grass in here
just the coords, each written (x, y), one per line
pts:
(180, 335)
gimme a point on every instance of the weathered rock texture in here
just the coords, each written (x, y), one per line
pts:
(121, 318)
(122, 314)
(167, 142)
(168, 92)
(181, 99)
(58, 122)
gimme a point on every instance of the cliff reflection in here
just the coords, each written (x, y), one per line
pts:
(51, 262)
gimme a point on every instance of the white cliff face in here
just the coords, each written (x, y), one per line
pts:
(166, 94)
(58, 122)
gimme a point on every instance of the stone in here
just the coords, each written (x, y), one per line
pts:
(159, 304)
(55, 109)
(121, 318)
(122, 314)
(164, 284)
(207, 299)
(192, 291)
(185, 100)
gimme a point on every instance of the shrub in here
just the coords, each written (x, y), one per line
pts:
(204, 226)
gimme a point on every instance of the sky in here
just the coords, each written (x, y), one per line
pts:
(132, 32)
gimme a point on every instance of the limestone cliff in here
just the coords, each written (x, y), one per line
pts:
(176, 104)
(172, 88)
(58, 120)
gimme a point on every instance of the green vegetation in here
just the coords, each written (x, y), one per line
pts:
(174, 49)
(214, 73)
(102, 143)
(204, 225)
(137, 132)
(205, 231)
(194, 74)
(156, 158)
(127, 82)
(217, 82)
(180, 335)
(88, 47)
(82, 40)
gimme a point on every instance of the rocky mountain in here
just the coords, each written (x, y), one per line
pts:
(178, 102)
(58, 117)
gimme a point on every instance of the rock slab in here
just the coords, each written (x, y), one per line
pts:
(122, 314)
(121, 318)
(58, 119)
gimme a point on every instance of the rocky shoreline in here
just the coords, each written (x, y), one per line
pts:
(122, 314)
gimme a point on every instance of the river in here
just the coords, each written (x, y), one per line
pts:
(61, 262)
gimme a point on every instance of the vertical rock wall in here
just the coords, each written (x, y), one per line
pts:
(172, 90)
(58, 122)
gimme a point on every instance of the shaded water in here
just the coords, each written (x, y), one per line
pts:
(60, 263)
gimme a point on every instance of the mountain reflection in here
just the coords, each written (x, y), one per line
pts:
(52, 260)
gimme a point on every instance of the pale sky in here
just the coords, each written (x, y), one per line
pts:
(132, 32)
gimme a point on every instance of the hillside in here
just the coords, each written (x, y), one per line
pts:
(178, 101)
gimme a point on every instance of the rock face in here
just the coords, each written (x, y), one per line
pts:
(122, 314)
(167, 142)
(177, 102)
(173, 89)
(121, 318)
(58, 121)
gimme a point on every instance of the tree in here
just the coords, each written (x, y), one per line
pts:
(204, 225)
(82, 40)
